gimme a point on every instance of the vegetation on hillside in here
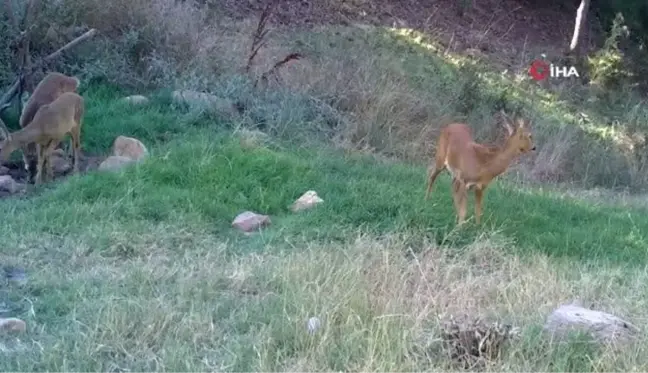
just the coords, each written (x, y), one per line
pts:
(390, 96)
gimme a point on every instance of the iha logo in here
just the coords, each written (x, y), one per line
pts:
(540, 70)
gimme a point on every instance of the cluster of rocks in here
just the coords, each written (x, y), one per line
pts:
(125, 151)
(249, 221)
(196, 100)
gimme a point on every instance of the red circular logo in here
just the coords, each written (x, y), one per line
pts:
(539, 70)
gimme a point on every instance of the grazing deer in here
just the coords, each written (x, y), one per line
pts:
(46, 130)
(48, 89)
(474, 165)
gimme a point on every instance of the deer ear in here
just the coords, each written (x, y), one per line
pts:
(521, 123)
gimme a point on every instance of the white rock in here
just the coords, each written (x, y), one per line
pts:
(115, 163)
(136, 100)
(604, 327)
(12, 324)
(130, 147)
(8, 184)
(313, 324)
(308, 200)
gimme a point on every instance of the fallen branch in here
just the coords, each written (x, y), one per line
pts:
(87, 35)
(13, 89)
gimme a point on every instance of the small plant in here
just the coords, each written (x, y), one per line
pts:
(471, 344)
(258, 41)
(607, 65)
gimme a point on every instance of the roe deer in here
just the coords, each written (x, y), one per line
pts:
(474, 165)
(46, 130)
(48, 89)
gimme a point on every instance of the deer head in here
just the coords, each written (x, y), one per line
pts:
(519, 134)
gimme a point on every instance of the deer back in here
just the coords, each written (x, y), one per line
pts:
(59, 117)
(48, 89)
(459, 149)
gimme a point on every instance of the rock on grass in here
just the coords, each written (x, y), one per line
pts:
(249, 221)
(308, 200)
(12, 324)
(604, 327)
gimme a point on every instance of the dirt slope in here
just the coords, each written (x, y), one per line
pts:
(509, 31)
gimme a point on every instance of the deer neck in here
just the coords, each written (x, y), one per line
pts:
(500, 159)
(24, 136)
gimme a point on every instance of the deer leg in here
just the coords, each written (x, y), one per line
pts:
(463, 201)
(38, 178)
(479, 196)
(76, 147)
(459, 195)
(30, 160)
(48, 159)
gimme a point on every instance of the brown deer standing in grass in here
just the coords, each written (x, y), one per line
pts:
(48, 89)
(46, 130)
(474, 165)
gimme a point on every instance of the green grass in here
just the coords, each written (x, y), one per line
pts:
(205, 177)
(141, 270)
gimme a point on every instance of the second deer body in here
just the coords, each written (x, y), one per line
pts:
(46, 130)
(473, 165)
(48, 89)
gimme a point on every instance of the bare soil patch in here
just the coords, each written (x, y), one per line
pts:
(19, 174)
(506, 30)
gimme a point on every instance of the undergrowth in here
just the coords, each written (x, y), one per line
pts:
(389, 96)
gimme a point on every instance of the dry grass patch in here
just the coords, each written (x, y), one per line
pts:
(380, 294)
(180, 299)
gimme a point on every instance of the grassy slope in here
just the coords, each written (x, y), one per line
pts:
(141, 270)
(360, 192)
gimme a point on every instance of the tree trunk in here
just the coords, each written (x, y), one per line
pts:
(581, 15)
